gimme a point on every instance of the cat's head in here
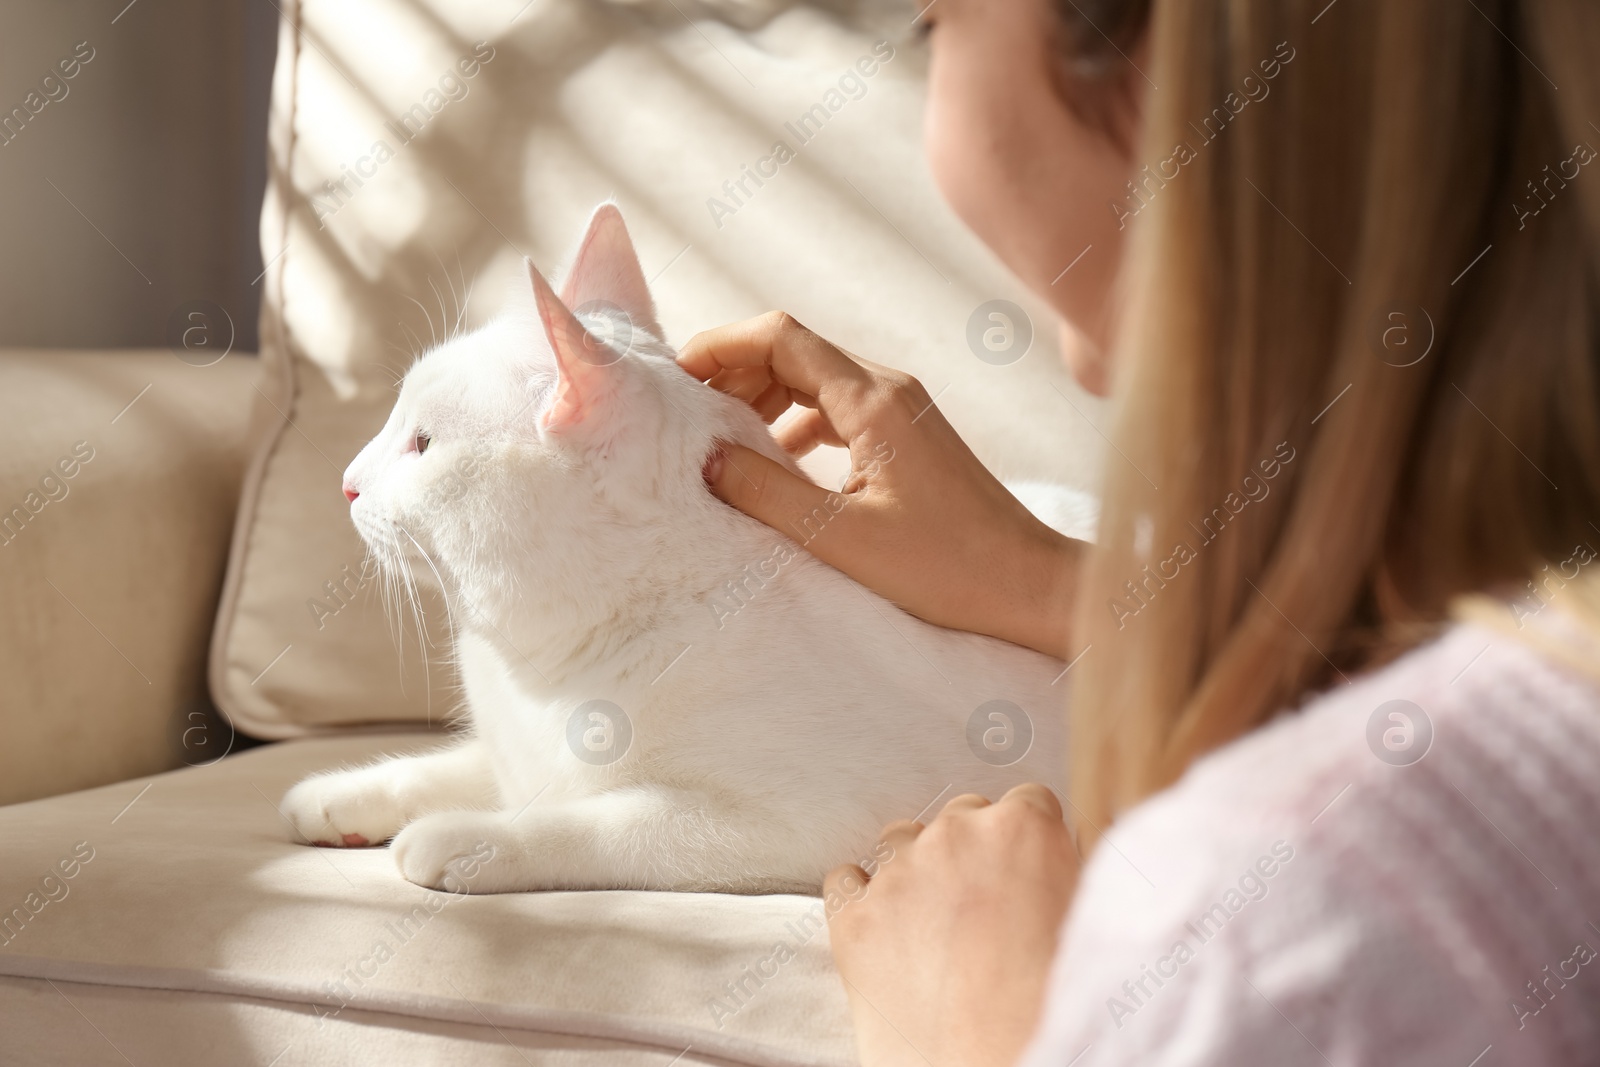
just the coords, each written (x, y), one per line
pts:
(547, 459)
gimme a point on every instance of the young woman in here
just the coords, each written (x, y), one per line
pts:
(1336, 721)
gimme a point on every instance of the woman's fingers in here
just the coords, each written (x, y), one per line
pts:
(769, 491)
(966, 802)
(807, 430)
(920, 520)
(846, 881)
(742, 383)
(1035, 795)
(899, 834)
(797, 357)
(772, 401)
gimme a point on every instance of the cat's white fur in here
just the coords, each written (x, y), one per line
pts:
(780, 714)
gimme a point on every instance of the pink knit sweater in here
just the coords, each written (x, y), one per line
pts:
(1315, 893)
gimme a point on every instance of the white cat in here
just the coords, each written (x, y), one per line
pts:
(661, 692)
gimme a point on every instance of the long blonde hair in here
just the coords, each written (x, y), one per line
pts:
(1359, 375)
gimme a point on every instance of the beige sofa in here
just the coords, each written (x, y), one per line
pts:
(180, 522)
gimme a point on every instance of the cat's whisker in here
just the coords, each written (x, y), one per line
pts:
(425, 645)
(416, 339)
(466, 300)
(418, 616)
(395, 379)
(444, 590)
(466, 292)
(444, 316)
(391, 603)
(387, 599)
(454, 324)
(393, 567)
(432, 331)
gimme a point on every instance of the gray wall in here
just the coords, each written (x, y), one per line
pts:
(139, 189)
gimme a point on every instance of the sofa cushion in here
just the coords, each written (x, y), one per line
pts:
(419, 150)
(119, 482)
(171, 920)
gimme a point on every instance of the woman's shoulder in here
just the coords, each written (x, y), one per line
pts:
(1472, 699)
(1396, 865)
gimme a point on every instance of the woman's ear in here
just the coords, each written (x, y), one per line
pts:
(583, 361)
(607, 271)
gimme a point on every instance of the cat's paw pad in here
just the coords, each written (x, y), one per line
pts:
(457, 851)
(344, 809)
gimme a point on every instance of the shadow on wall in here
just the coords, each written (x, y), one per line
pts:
(132, 166)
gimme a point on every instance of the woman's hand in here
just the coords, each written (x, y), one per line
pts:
(920, 520)
(946, 956)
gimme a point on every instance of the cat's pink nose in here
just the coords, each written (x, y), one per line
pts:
(350, 493)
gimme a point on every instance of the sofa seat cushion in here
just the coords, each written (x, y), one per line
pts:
(172, 920)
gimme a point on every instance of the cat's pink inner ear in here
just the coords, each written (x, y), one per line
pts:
(581, 359)
(607, 271)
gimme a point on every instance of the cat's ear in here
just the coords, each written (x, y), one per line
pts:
(582, 360)
(607, 271)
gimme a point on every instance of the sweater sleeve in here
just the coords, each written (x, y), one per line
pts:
(1299, 898)
(1240, 971)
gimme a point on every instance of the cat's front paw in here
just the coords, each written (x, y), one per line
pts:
(461, 852)
(343, 809)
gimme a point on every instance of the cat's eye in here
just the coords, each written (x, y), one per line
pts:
(420, 444)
